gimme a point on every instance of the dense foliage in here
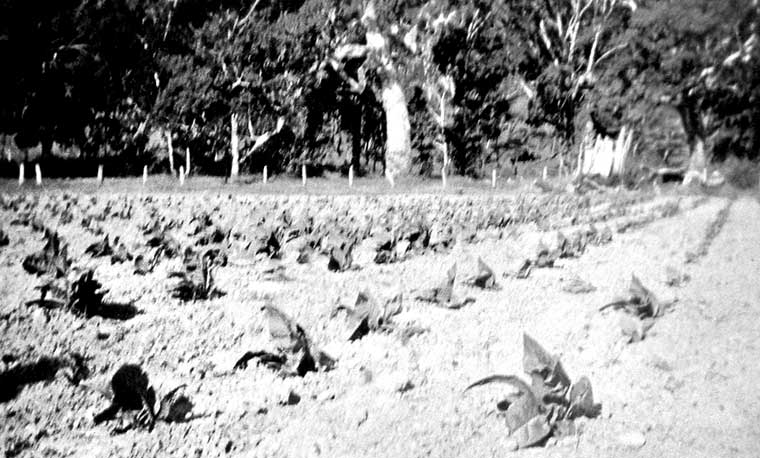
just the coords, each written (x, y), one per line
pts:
(482, 80)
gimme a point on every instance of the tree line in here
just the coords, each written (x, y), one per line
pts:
(408, 86)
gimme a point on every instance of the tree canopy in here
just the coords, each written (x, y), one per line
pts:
(309, 81)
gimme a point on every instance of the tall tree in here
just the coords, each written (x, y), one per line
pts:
(700, 57)
(77, 65)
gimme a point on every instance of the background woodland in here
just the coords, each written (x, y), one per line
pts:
(413, 85)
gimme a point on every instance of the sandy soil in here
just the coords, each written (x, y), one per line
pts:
(687, 389)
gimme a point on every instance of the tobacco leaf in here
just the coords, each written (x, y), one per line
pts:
(442, 293)
(532, 432)
(522, 407)
(174, 406)
(582, 400)
(637, 301)
(484, 278)
(297, 354)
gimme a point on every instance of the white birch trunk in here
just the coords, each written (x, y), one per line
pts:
(234, 148)
(698, 159)
(697, 170)
(398, 130)
(6, 148)
(170, 147)
(607, 157)
(443, 134)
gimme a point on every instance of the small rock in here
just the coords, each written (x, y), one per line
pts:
(366, 376)
(632, 439)
(402, 247)
(334, 348)
(494, 234)
(104, 332)
(313, 450)
(623, 225)
(185, 368)
(293, 398)
(675, 277)
(224, 362)
(394, 382)
(357, 417)
(39, 318)
(510, 444)
(555, 241)
(74, 422)
(672, 384)
(667, 300)
(325, 395)
(519, 268)
(34, 432)
(575, 285)
(604, 236)
(632, 328)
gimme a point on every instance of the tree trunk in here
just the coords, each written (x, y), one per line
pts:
(170, 148)
(6, 148)
(349, 135)
(695, 137)
(46, 146)
(755, 152)
(356, 137)
(441, 132)
(697, 155)
(234, 148)
(398, 130)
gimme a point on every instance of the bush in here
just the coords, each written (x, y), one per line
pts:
(741, 173)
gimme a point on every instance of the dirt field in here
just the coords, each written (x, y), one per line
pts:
(687, 389)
